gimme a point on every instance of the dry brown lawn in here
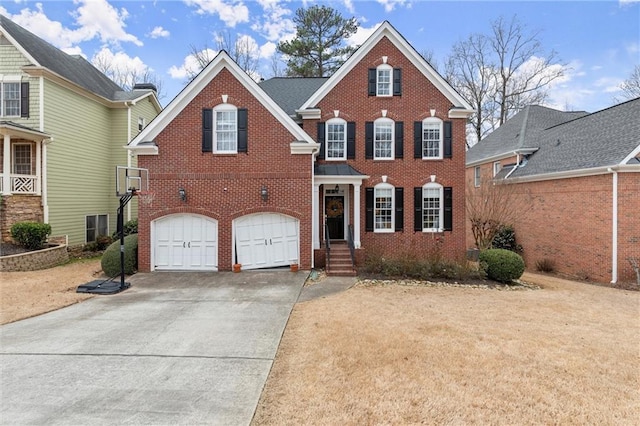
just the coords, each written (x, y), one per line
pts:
(26, 294)
(565, 354)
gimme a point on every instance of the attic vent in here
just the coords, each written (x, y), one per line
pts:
(145, 86)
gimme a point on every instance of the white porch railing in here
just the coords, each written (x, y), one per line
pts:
(21, 184)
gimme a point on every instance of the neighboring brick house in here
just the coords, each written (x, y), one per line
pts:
(62, 128)
(579, 175)
(373, 155)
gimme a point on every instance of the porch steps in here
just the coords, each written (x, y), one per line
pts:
(340, 261)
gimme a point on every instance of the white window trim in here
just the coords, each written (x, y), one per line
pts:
(393, 137)
(432, 120)
(15, 80)
(326, 140)
(440, 228)
(390, 69)
(393, 208)
(477, 176)
(223, 108)
(496, 168)
(14, 157)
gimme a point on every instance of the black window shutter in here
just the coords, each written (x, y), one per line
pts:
(368, 222)
(372, 81)
(351, 140)
(207, 130)
(24, 100)
(448, 208)
(447, 140)
(399, 142)
(368, 140)
(417, 139)
(399, 209)
(321, 129)
(397, 81)
(242, 130)
(417, 209)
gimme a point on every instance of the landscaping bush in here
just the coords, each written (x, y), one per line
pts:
(111, 257)
(130, 227)
(31, 235)
(506, 239)
(502, 265)
(545, 265)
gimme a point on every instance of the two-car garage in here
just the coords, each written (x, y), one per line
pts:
(190, 242)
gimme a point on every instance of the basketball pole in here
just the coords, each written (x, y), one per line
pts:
(123, 202)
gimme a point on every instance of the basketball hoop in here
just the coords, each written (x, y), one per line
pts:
(145, 197)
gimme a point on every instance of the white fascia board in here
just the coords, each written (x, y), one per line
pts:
(501, 156)
(631, 155)
(21, 49)
(387, 30)
(339, 179)
(460, 113)
(143, 149)
(304, 147)
(220, 62)
(595, 171)
(154, 100)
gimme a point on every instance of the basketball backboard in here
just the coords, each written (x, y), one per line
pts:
(131, 179)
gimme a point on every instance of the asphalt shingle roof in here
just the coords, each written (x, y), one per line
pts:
(335, 170)
(72, 67)
(291, 92)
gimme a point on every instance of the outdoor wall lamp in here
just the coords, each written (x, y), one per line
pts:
(264, 193)
(183, 194)
(337, 188)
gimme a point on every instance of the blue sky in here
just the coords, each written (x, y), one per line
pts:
(599, 41)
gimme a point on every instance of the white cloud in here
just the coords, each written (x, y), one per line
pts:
(231, 13)
(120, 65)
(267, 50)
(274, 24)
(94, 18)
(362, 35)
(608, 84)
(159, 32)
(190, 65)
(348, 4)
(389, 5)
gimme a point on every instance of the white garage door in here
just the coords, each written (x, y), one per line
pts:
(186, 242)
(266, 240)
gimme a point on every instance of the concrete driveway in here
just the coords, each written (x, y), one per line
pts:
(175, 348)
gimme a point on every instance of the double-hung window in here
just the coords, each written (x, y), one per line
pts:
(477, 175)
(383, 80)
(10, 99)
(432, 207)
(383, 139)
(96, 225)
(336, 139)
(383, 208)
(22, 155)
(226, 129)
(431, 138)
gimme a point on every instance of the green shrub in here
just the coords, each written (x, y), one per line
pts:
(506, 239)
(130, 227)
(111, 257)
(502, 265)
(31, 235)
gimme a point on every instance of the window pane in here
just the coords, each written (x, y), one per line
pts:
(430, 140)
(383, 208)
(336, 140)
(383, 140)
(11, 99)
(91, 228)
(384, 82)
(22, 159)
(226, 131)
(103, 225)
(431, 208)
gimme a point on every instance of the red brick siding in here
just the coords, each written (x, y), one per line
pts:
(225, 187)
(419, 96)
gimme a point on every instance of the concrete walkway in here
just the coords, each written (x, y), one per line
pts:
(175, 348)
(326, 287)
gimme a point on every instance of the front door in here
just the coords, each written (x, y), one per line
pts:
(334, 211)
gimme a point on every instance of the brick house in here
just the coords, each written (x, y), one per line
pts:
(371, 158)
(578, 174)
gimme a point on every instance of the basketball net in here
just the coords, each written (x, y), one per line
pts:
(146, 197)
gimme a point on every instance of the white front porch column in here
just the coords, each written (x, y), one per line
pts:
(315, 200)
(6, 166)
(39, 168)
(356, 215)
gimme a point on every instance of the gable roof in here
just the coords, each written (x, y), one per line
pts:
(460, 105)
(291, 92)
(606, 138)
(73, 68)
(222, 61)
(519, 133)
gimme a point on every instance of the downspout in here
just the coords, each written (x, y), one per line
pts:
(614, 227)
(313, 186)
(128, 150)
(44, 188)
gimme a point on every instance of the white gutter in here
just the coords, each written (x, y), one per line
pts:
(614, 227)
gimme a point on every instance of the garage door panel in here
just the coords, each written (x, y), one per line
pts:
(266, 240)
(186, 242)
